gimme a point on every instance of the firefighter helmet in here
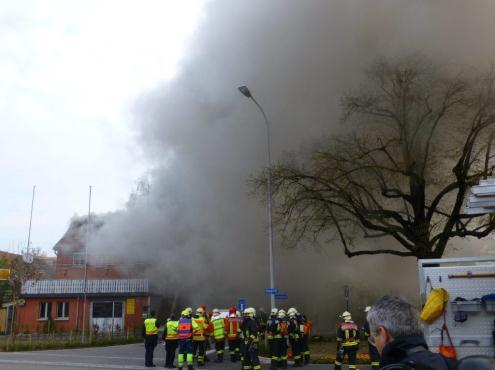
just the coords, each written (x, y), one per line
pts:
(215, 312)
(200, 311)
(250, 311)
(189, 309)
(346, 315)
(273, 311)
(185, 313)
(238, 313)
(281, 314)
(292, 311)
(367, 308)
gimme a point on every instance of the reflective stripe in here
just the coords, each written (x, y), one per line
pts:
(338, 362)
(375, 363)
(150, 326)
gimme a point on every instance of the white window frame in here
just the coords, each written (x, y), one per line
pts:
(64, 305)
(79, 257)
(45, 313)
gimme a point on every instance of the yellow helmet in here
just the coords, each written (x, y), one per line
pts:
(185, 313)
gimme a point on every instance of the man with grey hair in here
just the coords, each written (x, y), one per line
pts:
(395, 330)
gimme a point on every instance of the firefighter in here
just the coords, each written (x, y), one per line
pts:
(233, 329)
(271, 332)
(199, 345)
(295, 337)
(374, 355)
(208, 330)
(171, 338)
(218, 324)
(347, 341)
(150, 335)
(186, 329)
(281, 339)
(305, 329)
(250, 334)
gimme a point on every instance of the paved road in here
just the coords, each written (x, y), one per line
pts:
(116, 357)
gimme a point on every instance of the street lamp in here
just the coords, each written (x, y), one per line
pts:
(245, 91)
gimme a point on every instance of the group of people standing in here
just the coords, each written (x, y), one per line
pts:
(190, 334)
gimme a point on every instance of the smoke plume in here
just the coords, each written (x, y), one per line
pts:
(194, 226)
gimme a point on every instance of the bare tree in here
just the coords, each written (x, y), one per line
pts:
(414, 138)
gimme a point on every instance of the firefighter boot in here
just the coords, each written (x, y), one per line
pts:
(297, 363)
(190, 367)
(306, 359)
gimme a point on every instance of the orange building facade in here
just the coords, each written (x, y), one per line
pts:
(97, 296)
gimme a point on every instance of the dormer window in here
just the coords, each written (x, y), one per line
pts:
(78, 259)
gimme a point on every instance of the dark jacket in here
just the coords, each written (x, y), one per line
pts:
(412, 349)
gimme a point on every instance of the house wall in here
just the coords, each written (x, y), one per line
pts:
(27, 316)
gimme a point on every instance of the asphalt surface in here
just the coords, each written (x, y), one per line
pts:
(129, 356)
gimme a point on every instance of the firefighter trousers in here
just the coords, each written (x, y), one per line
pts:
(281, 352)
(305, 354)
(199, 349)
(185, 353)
(374, 357)
(295, 344)
(250, 359)
(351, 352)
(170, 348)
(234, 349)
(220, 349)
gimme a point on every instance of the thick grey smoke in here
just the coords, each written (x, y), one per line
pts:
(195, 227)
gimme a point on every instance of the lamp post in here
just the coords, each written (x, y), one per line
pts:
(245, 91)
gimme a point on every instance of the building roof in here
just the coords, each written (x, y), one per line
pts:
(75, 235)
(101, 287)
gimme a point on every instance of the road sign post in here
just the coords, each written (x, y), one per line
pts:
(241, 304)
(271, 290)
(281, 297)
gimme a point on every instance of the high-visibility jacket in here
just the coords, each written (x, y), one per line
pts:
(150, 326)
(282, 329)
(201, 326)
(218, 328)
(348, 334)
(233, 327)
(172, 330)
(186, 328)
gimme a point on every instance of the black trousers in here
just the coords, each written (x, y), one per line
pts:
(199, 349)
(170, 348)
(150, 342)
(295, 344)
(305, 354)
(351, 352)
(250, 359)
(281, 348)
(234, 349)
(220, 348)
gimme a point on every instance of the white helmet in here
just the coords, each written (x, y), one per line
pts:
(281, 314)
(238, 313)
(274, 311)
(250, 311)
(215, 312)
(292, 311)
(346, 315)
(367, 308)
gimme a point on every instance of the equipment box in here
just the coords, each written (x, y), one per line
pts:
(470, 279)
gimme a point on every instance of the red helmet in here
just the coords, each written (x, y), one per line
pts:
(232, 310)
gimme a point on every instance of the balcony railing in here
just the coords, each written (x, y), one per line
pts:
(93, 286)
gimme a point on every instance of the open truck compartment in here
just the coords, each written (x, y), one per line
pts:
(469, 282)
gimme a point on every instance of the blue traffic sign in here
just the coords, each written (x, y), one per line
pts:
(271, 290)
(241, 304)
(281, 297)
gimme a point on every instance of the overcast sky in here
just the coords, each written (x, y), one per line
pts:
(69, 73)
